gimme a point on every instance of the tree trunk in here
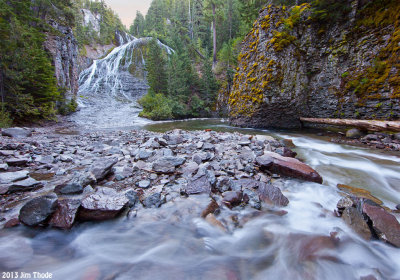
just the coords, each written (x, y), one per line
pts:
(214, 36)
(371, 125)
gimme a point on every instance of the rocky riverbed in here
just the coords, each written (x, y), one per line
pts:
(59, 180)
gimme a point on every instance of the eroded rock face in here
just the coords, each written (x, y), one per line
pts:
(288, 166)
(104, 204)
(38, 210)
(287, 73)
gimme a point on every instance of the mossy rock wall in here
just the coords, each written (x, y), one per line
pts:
(293, 65)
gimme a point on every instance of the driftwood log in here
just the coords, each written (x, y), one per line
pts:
(371, 125)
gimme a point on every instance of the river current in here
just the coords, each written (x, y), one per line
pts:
(173, 242)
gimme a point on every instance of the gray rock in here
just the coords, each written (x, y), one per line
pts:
(38, 210)
(66, 158)
(24, 185)
(8, 177)
(6, 153)
(70, 188)
(3, 167)
(105, 203)
(344, 203)
(251, 197)
(18, 161)
(133, 197)
(173, 139)
(144, 154)
(354, 133)
(152, 200)
(198, 185)
(45, 159)
(144, 184)
(167, 164)
(397, 136)
(16, 132)
(103, 167)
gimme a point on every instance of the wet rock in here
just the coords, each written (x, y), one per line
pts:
(9, 177)
(398, 206)
(272, 195)
(65, 214)
(144, 184)
(18, 161)
(24, 185)
(133, 197)
(152, 200)
(252, 198)
(38, 210)
(358, 192)
(16, 132)
(212, 207)
(198, 185)
(287, 166)
(384, 224)
(15, 252)
(12, 223)
(232, 198)
(70, 188)
(344, 203)
(105, 203)
(355, 220)
(354, 133)
(311, 248)
(288, 143)
(103, 167)
(167, 164)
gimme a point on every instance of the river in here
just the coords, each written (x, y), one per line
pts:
(172, 242)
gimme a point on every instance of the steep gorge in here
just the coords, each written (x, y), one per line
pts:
(295, 63)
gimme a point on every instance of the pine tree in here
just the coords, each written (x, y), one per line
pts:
(155, 67)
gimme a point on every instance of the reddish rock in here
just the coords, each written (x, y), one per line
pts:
(211, 208)
(288, 166)
(312, 247)
(210, 218)
(64, 216)
(104, 204)
(12, 223)
(385, 224)
(272, 195)
(232, 198)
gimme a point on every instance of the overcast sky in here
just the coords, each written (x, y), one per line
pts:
(126, 9)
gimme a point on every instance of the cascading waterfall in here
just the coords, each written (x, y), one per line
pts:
(110, 87)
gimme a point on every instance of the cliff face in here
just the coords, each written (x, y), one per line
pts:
(295, 65)
(63, 48)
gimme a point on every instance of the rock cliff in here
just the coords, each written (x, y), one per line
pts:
(297, 63)
(63, 49)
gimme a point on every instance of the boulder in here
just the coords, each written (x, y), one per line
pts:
(8, 177)
(344, 203)
(272, 195)
(354, 133)
(16, 132)
(287, 166)
(355, 220)
(105, 203)
(103, 167)
(3, 167)
(198, 185)
(38, 210)
(167, 164)
(384, 224)
(65, 214)
(252, 198)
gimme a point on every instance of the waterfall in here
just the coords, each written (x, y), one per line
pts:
(110, 87)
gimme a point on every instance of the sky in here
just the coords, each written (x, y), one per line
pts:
(126, 9)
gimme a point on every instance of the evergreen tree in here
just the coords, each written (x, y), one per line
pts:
(137, 28)
(155, 67)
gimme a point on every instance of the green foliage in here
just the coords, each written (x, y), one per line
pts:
(68, 107)
(27, 82)
(5, 119)
(137, 28)
(325, 11)
(155, 67)
(156, 106)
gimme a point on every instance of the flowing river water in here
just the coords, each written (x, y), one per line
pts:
(172, 242)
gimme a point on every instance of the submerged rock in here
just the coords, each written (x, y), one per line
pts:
(38, 210)
(104, 204)
(288, 166)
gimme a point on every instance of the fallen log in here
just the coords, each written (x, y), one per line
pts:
(371, 125)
